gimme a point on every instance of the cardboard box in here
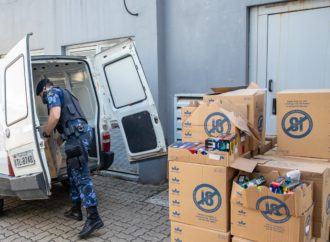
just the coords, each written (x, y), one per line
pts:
(194, 152)
(254, 97)
(211, 120)
(312, 170)
(199, 195)
(199, 123)
(260, 215)
(184, 232)
(325, 230)
(253, 225)
(238, 239)
(54, 157)
(303, 126)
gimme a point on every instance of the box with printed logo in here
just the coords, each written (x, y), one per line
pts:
(254, 97)
(260, 215)
(199, 194)
(184, 232)
(303, 126)
(312, 170)
(211, 120)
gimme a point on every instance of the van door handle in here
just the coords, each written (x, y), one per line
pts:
(274, 106)
(7, 131)
(270, 85)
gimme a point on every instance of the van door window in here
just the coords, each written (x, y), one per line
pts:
(15, 92)
(123, 78)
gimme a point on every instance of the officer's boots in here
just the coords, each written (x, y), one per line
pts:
(74, 212)
(93, 222)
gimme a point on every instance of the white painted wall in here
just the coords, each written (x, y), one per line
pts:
(184, 46)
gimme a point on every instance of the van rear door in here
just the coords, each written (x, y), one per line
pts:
(130, 101)
(31, 178)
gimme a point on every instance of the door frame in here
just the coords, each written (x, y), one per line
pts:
(258, 34)
(258, 42)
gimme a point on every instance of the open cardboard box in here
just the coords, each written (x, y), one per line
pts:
(316, 171)
(296, 203)
(254, 97)
(261, 215)
(211, 120)
(190, 152)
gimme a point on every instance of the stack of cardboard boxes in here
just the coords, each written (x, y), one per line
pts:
(206, 202)
(199, 180)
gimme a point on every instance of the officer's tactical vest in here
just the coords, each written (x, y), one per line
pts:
(70, 110)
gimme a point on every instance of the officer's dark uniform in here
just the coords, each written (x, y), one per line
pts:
(75, 130)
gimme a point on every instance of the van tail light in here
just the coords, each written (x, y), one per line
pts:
(10, 168)
(106, 142)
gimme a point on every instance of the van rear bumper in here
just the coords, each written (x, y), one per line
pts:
(25, 187)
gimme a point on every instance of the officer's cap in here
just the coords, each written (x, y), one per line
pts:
(41, 85)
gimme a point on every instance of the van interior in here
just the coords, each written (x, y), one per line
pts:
(73, 75)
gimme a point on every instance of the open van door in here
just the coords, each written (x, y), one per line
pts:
(28, 172)
(130, 101)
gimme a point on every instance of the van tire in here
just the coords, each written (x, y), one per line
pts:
(1, 205)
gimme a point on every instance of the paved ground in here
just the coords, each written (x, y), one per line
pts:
(121, 162)
(126, 208)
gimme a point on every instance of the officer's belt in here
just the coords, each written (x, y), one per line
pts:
(75, 129)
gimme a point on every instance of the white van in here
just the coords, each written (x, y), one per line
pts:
(111, 87)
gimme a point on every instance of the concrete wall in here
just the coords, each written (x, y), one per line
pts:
(205, 44)
(186, 46)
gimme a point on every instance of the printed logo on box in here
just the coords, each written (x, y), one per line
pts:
(241, 223)
(207, 198)
(187, 124)
(241, 212)
(239, 203)
(176, 214)
(239, 193)
(328, 205)
(187, 113)
(297, 124)
(175, 168)
(273, 209)
(216, 123)
(177, 240)
(187, 134)
(260, 123)
(176, 202)
(175, 191)
(178, 229)
(175, 180)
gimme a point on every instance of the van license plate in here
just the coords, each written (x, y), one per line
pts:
(24, 159)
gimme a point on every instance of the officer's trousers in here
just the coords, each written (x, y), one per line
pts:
(81, 185)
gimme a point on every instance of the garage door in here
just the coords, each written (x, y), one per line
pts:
(289, 49)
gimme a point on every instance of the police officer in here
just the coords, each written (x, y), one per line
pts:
(66, 116)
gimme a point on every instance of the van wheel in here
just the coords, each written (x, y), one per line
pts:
(1, 205)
